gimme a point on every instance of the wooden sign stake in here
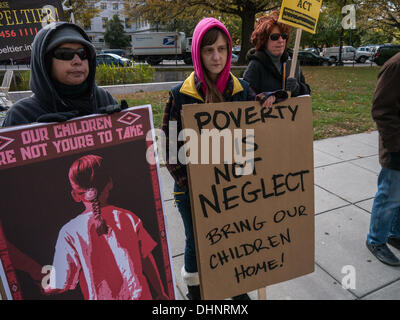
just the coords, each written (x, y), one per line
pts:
(295, 54)
(262, 293)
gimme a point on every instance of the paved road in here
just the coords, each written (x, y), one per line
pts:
(366, 64)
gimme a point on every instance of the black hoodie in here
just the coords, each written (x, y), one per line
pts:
(45, 98)
(263, 76)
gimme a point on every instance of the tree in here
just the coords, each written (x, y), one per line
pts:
(168, 18)
(382, 18)
(327, 31)
(233, 24)
(329, 27)
(114, 35)
(165, 10)
(377, 22)
(83, 11)
(164, 16)
(383, 12)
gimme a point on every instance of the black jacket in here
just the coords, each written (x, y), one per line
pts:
(45, 98)
(386, 113)
(263, 76)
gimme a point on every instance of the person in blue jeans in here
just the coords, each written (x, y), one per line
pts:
(385, 216)
(211, 81)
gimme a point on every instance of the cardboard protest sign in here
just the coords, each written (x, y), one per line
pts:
(252, 227)
(301, 14)
(21, 20)
(81, 214)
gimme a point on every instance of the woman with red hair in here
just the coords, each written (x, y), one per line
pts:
(269, 66)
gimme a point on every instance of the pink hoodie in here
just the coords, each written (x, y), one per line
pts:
(202, 27)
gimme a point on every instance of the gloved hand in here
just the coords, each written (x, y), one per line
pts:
(111, 108)
(394, 160)
(58, 116)
(124, 104)
(292, 85)
(64, 116)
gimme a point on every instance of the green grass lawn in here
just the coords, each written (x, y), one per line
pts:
(157, 99)
(341, 100)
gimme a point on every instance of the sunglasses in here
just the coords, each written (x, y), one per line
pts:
(275, 36)
(68, 53)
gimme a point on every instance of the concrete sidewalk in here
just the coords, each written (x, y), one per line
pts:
(346, 171)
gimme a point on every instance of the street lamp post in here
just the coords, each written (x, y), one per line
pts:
(72, 12)
(348, 23)
(340, 62)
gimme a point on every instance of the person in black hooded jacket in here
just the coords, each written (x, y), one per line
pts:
(269, 67)
(63, 69)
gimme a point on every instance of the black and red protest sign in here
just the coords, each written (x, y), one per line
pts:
(49, 247)
(21, 20)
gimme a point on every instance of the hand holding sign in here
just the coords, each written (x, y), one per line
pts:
(292, 85)
(257, 229)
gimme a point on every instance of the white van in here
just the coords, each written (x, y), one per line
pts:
(348, 53)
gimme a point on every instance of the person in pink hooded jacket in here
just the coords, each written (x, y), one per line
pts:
(211, 82)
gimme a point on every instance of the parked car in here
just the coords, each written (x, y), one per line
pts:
(308, 58)
(234, 58)
(373, 50)
(313, 50)
(363, 54)
(113, 59)
(384, 53)
(348, 53)
(120, 52)
(236, 49)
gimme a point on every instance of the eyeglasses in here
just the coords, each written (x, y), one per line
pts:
(68, 53)
(275, 36)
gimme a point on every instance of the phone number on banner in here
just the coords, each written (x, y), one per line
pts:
(24, 32)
